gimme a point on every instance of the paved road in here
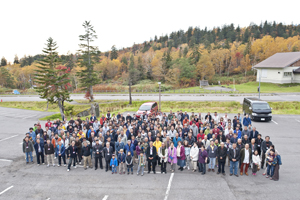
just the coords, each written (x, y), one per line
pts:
(38, 182)
(168, 97)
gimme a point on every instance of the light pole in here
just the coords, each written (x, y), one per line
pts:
(159, 83)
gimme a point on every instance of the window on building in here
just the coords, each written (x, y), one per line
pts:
(264, 73)
(287, 74)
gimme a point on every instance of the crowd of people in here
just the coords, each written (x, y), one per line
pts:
(192, 142)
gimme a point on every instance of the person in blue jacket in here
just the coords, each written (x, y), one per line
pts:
(60, 151)
(238, 132)
(176, 139)
(114, 164)
(121, 160)
(39, 150)
(246, 121)
(129, 147)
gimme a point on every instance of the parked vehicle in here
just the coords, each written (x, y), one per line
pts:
(150, 107)
(257, 109)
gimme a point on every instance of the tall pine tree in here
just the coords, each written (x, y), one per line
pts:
(53, 79)
(89, 56)
(114, 53)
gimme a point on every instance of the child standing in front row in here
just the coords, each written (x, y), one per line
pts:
(141, 163)
(114, 164)
(129, 162)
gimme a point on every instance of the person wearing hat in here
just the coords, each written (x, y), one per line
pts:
(98, 149)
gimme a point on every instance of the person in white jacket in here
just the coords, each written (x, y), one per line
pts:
(194, 155)
(255, 162)
(163, 156)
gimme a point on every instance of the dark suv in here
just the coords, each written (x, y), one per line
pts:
(257, 109)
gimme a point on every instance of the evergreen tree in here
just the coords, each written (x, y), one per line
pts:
(70, 62)
(6, 79)
(89, 56)
(16, 60)
(185, 51)
(3, 62)
(114, 53)
(131, 76)
(140, 70)
(53, 79)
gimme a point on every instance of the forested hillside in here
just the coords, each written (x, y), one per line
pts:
(180, 58)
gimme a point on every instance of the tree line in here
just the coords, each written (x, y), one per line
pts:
(180, 58)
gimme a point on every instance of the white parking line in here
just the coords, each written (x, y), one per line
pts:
(274, 121)
(169, 186)
(105, 197)
(6, 189)
(5, 160)
(8, 138)
(297, 120)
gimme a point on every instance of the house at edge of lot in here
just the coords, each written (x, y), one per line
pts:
(280, 68)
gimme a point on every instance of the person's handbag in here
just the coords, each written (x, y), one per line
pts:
(208, 160)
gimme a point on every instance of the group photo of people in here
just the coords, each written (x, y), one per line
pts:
(167, 142)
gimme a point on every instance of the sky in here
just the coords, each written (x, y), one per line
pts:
(26, 25)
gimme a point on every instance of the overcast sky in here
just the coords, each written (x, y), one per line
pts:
(26, 25)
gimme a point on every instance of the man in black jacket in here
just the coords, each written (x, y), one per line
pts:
(49, 152)
(234, 157)
(151, 157)
(98, 154)
(86, 153)
(222, 153)
(108, 151)
(72, 152)
(254, 133)
(265, 145)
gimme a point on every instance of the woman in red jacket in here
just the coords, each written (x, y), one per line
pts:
(180, 156)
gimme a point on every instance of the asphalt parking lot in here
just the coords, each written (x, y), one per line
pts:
(21, 181)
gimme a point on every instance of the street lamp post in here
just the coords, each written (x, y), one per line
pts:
(159, 83)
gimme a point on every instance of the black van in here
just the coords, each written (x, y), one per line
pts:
(257, 109)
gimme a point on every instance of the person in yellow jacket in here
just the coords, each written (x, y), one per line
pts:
(81, 134)
(157, 145)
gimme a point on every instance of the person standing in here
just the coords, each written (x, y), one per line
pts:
(129, 162)
(245, 155)
(72, 151)
(172, 156)
(113, 164)
(141, 163)
(202, 159)
(180, 156)
(234, 157)
(194, 156)
(255, 162)
(79, 147)
(222, 153)
(60, 152)
(121, 160)
(49, 152)
(108, 151)
(212, 154)
(28, 149)
(151, 157)
(86, 153)
(265, 146)
(163, 156)
(98, 149)
(39, 150)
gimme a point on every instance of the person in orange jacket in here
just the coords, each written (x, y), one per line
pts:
(55, 141)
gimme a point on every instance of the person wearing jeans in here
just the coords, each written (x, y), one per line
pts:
(114, 164)
(141, 163)
(234, 157)
(202, 159)
(72, 151)
(60, 152)
(212, 154)
(28, 149)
